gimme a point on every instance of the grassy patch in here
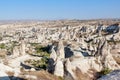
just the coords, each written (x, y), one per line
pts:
(105, 71)
(39, 64)
(2, 46)
(111, 42)
(11, 45)
(41, 51)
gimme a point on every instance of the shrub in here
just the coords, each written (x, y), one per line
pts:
(42, 48)
(34, 44)
(11, 45)
(60, 78)
(41, 51)
(2, 46)
(105, 71)
(38, 64)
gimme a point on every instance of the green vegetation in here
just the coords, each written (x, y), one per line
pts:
(34, 44)
(1, 37)
(11, 45)
(42, 51)
(2, 46)
(8, 48)
(112, 42)
(105, 71)
(39, 64)
(60, 78)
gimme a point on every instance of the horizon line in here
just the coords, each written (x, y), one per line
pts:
(56, 19)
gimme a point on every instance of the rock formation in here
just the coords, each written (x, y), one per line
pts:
(16, 51)
(53, 54)
(108, 59)
(80, 49)
(22, 48)
(60, 50)
(114, 75)
(59, 68)
(69, 69)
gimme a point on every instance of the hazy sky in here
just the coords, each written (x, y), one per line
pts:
(59, 9)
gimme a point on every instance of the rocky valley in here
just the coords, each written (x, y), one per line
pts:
(60, 50)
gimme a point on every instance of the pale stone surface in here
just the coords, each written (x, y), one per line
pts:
(85, 64)
(53, 54)
(16, 51)
(22, 48)
(59, 68)
(84, 43)
(69, 69)
(114, 75)
(3, 70)
(110, 62)
(60, 50)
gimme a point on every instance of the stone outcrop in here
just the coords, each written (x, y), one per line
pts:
(114, 75)
(85, 64)
(3, 71)
(16, 51)
(53, 54)
(114, 28)
(79, 50)
(69, 70)
(59, 68)
(22, 48)
(108, 59)
(60, 50)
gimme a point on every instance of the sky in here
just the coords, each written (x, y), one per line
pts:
(59, 9)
